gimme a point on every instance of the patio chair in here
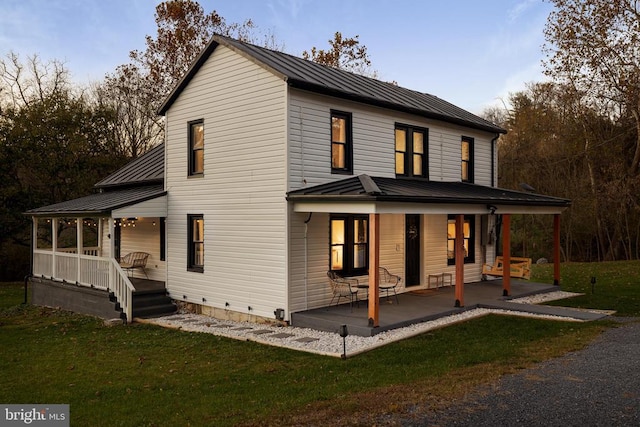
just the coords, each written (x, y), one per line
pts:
(134, 260)
(343, 288)
(388, 282)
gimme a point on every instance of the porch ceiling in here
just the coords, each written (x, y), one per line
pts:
(365, 194)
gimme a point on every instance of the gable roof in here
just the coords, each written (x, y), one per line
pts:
(366, 188)
(307, 75)
(145, 169)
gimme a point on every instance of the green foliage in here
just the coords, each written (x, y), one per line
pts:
(54, 145)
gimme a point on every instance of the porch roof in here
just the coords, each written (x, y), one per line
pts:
(101, 203)
(366, 194)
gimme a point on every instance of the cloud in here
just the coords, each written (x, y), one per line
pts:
(519, 9)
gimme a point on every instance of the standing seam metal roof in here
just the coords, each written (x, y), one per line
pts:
(367, 188)
(319, 78)
(146, 169)
(102, 203)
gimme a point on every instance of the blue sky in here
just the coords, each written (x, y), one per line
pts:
(472, 53)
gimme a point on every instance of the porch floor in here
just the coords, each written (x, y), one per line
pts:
(425, 305)
(147, 285)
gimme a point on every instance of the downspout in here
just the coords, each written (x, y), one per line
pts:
(301, 119)
(493, 159)
(306, 266)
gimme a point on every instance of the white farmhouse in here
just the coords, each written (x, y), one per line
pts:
(276, 173)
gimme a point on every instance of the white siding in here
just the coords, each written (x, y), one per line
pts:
(373, 142)
(144, 237)
(242, 192)
(150, 208)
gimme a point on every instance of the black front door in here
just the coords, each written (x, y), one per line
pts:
(412, 247)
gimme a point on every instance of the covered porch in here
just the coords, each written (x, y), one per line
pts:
(80, 242)
(426, 305)
(448, 248)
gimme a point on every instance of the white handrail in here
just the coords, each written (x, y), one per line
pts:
(122, 288)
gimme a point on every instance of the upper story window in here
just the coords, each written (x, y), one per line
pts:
(196, 147)
(341, 143)
(349, 244)
(468, 236)
(195, 240)
(411, 151)
(467, 159)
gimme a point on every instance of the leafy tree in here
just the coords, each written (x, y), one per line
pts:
(136, 90)
(54, 144)
(184, 29)
(343, 53)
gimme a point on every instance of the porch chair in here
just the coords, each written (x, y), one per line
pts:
(134, 260)
(388, 282)
(341, 287)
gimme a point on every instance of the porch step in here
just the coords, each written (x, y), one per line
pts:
(152, 304)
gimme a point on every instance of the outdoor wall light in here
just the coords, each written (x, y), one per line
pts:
(492, 209)
(344, 332)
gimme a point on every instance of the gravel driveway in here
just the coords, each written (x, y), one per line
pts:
(597, 386)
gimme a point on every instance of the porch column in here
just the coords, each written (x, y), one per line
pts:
(54, 245)
(79, 247)
(506, 255)
(556, 249)
(112, 254)
(112, 231)
(374, 262)
(459, 254)
(100, 237)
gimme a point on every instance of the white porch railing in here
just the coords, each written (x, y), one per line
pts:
(93, 251)
(96, 272)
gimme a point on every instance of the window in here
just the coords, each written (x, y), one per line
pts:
(467, 159)
(341, 143)
(349, 244)
(196, 147)
(411, 151)
(195, 255)
(469, 240)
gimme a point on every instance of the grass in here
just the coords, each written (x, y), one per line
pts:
(142, 375)
(617, 285)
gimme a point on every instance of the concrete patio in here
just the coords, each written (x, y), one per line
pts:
(425, 305)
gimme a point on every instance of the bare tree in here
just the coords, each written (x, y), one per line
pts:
(592, 45)
(23, 82)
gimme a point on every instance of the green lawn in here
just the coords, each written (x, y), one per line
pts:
(617, 285)
(143, 375)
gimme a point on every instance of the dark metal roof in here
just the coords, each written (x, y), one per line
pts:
(101, 203)
(366, 188)
(318, 78)
(146, 169)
